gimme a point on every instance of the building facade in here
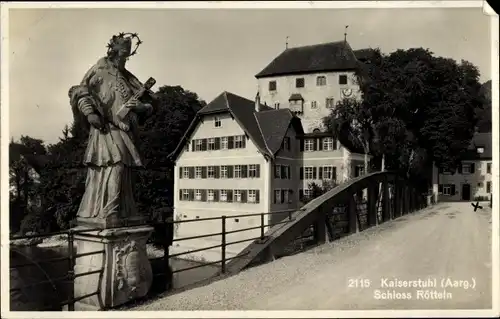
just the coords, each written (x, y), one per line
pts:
(310, 80)
(240, 157)
(473, 179)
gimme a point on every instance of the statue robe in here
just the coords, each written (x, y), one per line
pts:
(111, 153)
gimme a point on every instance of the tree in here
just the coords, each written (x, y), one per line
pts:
(484, 114)
(315, 190)
(421, 108)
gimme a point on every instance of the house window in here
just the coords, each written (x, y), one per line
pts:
(299, 83)
(488, 168)
(237, 171)
(197, 145)
(237, 196)
(223, 143)
(480, 150)
(277, 171)
(328, 172)
(466, 169)
(197, 195)
(223, 172)
(252, 196)
(286, 143)
(197, 172)
(285, 196)
(480, 185)
(252, 170)
(308, 173)
(277, 105)
(309, 145)
(328, 144)
(321, 81)
(343, 79)
(211, 144)
(210, 196)
(446, 190)
(211, 172)
(314, 105)
(358, 171)
(185, 194)
(223, 195)
(217, 122)
(277, 196)
(238, 141)
(307, 192)
(185, 172)
(488, 187)
(329, 102)
(272, 86)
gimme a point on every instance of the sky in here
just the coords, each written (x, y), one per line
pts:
(207, 51)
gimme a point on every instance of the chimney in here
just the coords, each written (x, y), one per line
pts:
(257, 102)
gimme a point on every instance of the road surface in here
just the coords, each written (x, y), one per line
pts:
(448, 243)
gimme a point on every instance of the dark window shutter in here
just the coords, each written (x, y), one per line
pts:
(217, 143)
(283, 196)
(452, 189)
(289, 173)
(315, 144)
(191, 172)
(203, 172)
(180, 194)
(203, 195)
(320, 174)
(217, 171)
(193, 142)
(440, 188)
(244, 171)
(302, 173)
(320, 146)
(257, 196)
(191, 194)
(301, 141)
(472, 168)
(216, 195)
(257, 171)
(243, 141)
(488, 187)
(334, 144)
(301, 194)
(204, 144)
(276, 168)
(243, 196)
(314, 172)
(229, 195)
(283, 171)
(274, 195)
(230, 142)
(230, 171)
(180, 172)
(460, 169)
(334, 173)
(288, 145)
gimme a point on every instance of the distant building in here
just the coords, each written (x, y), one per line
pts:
(310, 80)
(473, 179)
(241, 157)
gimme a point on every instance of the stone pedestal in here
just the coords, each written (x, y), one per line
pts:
(126, 271)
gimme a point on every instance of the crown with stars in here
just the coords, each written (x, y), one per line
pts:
(124, 40)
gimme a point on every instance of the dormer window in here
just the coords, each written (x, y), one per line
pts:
(277, 105)
(217, 122)
(299, 82)
(480, 150)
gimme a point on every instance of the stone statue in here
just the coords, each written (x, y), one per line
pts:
(110, 100)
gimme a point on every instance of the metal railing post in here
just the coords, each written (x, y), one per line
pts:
(71, 270)
(223, 245)
(262, 226)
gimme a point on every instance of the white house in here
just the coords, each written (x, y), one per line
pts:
(473, 179)
(241, 157)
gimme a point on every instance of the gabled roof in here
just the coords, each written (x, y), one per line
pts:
(333, 56)
(483, 140)
(265, 128)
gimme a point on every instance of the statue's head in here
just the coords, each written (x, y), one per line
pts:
(120, 47)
